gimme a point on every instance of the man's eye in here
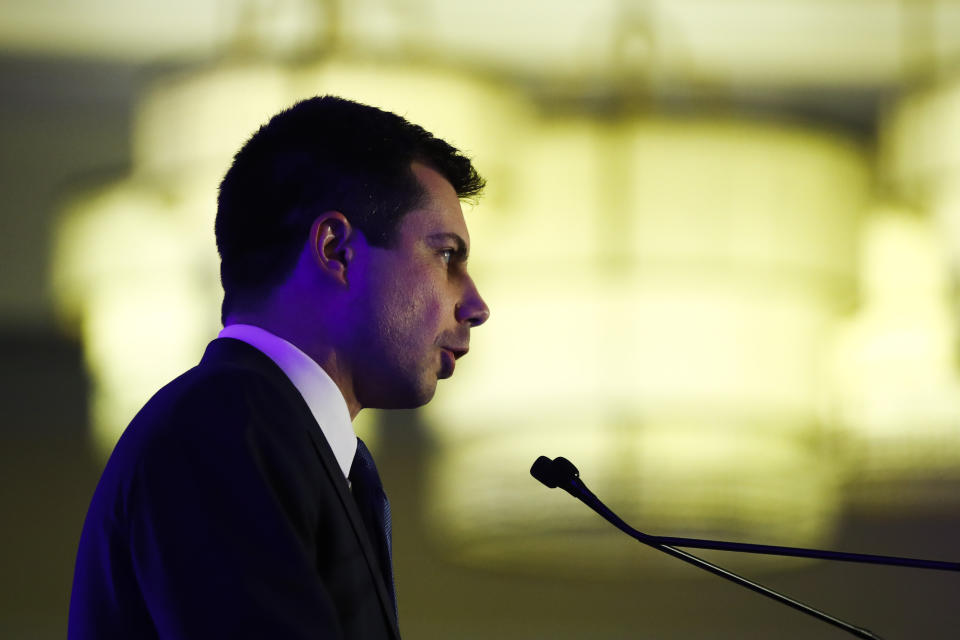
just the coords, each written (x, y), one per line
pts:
(447, 255)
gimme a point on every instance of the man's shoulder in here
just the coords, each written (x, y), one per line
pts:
(219, 429)
(218, 400)
(219, 413)
(222, 383)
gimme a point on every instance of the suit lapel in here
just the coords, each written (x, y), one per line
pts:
(244, 354)
(353, 514)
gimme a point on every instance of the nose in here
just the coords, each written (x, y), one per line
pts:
(471, 309)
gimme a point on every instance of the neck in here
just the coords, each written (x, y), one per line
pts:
(313, 343)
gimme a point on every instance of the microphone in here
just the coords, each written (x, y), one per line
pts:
(561, 473)
(543, 471)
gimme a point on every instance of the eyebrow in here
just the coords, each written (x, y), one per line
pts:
(451, 237)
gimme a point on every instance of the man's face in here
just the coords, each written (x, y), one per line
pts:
(415, 303)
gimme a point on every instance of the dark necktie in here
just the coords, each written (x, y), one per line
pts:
(375, 511)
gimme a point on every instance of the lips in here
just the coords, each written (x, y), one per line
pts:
(457, 352)
(448, 358)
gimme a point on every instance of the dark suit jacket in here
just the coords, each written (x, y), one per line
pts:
(222, 513)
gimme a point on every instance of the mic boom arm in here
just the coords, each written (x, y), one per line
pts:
(560, 472)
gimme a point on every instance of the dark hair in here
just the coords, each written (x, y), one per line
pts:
(321, 154)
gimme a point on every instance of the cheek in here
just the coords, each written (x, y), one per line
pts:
(413, 314)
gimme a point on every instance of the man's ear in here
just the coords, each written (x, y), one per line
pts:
(331, 239)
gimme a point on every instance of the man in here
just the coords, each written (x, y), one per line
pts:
(239, 502)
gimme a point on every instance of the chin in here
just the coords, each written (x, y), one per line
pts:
(407, 398)
(423, 397)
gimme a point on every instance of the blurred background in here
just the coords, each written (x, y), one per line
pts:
(721, 245)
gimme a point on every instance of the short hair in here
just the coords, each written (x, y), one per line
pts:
(322, 154)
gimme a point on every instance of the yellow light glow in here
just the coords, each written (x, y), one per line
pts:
(202, 119)
(780, 204)
(132, 282)
(921, 141)
(896, 385)
(899, 388)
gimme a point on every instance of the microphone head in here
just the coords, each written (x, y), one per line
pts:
(542, 470)
(563, 470)
(558, 472)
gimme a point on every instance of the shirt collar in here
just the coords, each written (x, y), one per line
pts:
(318, 389)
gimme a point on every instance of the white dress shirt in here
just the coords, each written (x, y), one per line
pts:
(319, 391)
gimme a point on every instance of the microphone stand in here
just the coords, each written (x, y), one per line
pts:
(560, 472)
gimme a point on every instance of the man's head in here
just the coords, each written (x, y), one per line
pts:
(340, 226)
